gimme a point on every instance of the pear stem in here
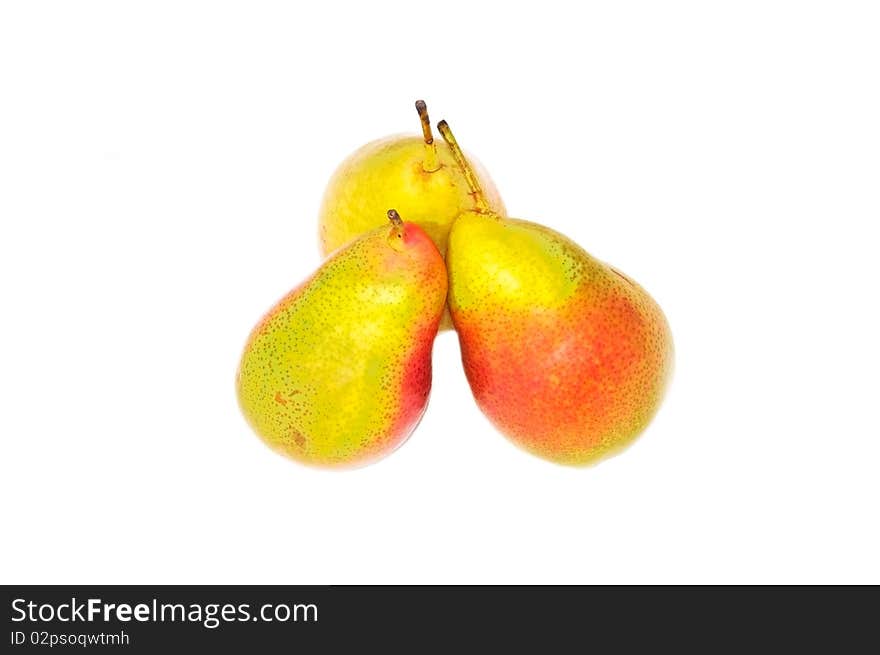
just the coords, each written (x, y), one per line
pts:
(470, 177)
(395, 218)
(431, 162)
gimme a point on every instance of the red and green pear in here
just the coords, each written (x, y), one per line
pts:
(338, 373)
(565, 355)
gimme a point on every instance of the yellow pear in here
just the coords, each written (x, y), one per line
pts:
(409, 172)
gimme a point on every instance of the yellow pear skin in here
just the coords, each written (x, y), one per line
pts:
(338, 373)
(411, 173)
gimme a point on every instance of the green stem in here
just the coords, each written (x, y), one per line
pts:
(470, 177)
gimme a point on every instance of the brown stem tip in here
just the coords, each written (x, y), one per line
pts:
(431, 162)
(395, 218)
(422, 108)
(470, 177)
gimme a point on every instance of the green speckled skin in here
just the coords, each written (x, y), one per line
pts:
(338, 373)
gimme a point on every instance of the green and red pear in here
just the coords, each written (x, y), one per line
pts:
(338, 372)
(568, 357)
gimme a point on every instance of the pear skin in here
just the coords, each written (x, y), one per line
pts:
(565, 355)
(411, 173)
(338, 373)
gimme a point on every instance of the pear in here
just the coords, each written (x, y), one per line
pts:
(408, 172)
(338, 372)
(568, 357)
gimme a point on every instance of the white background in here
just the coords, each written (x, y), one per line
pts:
(161, 166)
